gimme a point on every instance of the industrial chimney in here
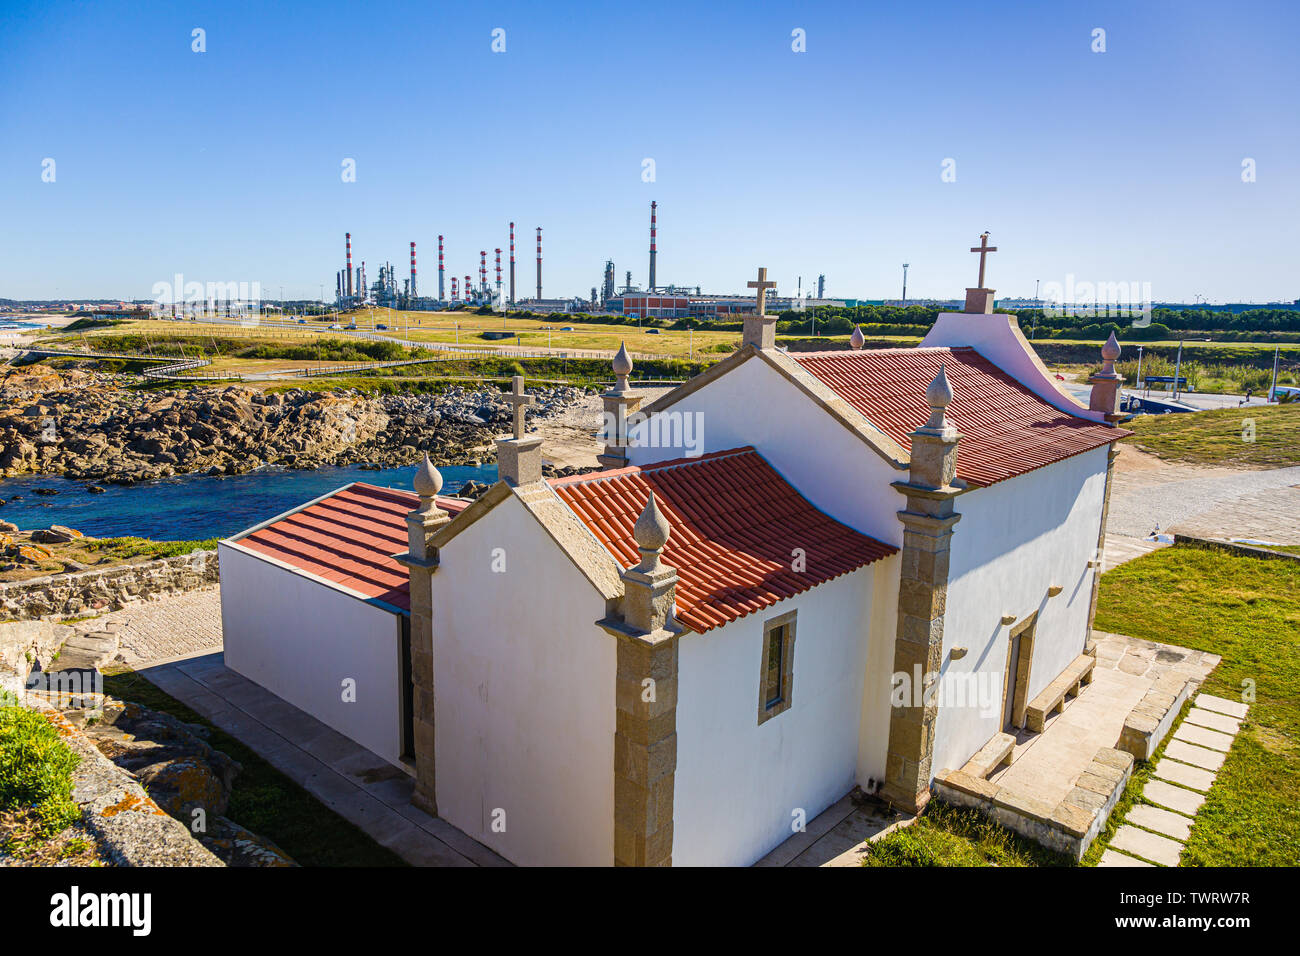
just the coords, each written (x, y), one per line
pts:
(413, 292)
(440, 287)
(498, 273)
(482, 270)
(539, 263)
(653, 207)
(349, 242)
(512, 263)
(454, 290)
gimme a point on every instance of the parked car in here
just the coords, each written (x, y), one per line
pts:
(380, 327)
(651, 331)
(352, 326)
(567, 328)
(336, 328)
(302, 321)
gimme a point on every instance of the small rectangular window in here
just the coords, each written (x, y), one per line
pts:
(776, 682)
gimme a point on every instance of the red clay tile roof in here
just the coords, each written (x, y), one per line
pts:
(735, 523)
(349, 538)
(1007, 429)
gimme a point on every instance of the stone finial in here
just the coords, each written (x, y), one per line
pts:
(1109, 353)
(857, 339)
(428, 481)
(939, 395)
(650, 533)
(622, 367)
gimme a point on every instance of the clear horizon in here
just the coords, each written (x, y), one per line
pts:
(1117, 167)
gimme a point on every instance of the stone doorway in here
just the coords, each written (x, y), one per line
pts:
(1015, 685)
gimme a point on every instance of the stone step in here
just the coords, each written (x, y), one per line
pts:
(1165, 822)
(1173, 798)
(86, 651)
(1113, 858)
(1181, 773)
(1233, 708)
(1204, 737)
(1197, 756)
(1208, 718)
(1148, 846)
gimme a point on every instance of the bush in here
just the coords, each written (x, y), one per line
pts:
(35, 768)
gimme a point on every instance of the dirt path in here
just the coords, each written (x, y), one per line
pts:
(571, 437)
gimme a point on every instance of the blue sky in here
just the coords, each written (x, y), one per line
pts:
(225, 165)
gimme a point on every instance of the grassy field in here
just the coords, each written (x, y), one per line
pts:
(98, 553)
(1248, 611)
(1221, 437)
(1245, 609)
(266, 801)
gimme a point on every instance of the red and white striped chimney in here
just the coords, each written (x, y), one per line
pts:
(454, 290)
(482, 270)
(498, 272)
(539, 263)
(349, 242)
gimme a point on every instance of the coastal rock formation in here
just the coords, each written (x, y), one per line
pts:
(81, 425)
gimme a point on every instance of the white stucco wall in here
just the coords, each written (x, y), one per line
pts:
(738, 781)
(1015, 539)
(753, 404)
(524, 695)
(300, 639)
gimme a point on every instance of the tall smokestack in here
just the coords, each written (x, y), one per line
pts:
(468, 288)
(498, 273)
(539, 263)
(653, 252)
(454, 290)
(512, 263)
(482, 270)
(413, 293)
(349, 241)
(440, 286)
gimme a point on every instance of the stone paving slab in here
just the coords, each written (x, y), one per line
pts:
(1208, 718)
(1201, 757)
(1164, 822)
(1181, 773)
(1173, 798)
(1112, 858)
(336, 774)
(1233, 708)
(1204, 737)
(1149, 846)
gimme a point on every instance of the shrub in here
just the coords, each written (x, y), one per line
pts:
(35, 768)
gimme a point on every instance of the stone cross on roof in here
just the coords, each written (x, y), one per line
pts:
(762, 285)
(983, 249)
(520, 401)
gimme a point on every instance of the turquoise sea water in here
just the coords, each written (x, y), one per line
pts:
(194, 506)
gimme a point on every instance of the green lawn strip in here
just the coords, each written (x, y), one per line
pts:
(1248, 611)
(947, 835)
(1219, 436)
(263, 799)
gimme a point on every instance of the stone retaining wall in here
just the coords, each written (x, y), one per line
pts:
(95, 591)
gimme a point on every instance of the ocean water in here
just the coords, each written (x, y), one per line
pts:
(195, 507)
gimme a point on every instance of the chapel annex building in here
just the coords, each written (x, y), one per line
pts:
(733, 622)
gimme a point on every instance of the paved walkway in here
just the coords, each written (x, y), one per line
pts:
(171, 626)
(1153, 833)
(357, 785)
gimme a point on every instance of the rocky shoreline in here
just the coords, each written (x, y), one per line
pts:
(83, 426)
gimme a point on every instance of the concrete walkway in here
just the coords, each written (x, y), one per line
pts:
(357, 785)
(1153, 834)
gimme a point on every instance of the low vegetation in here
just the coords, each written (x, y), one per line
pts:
(264, 800)
(35, 779)
(956, 836)
(22, 559)
(1266, 436)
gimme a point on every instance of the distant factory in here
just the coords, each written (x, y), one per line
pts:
(655, 301)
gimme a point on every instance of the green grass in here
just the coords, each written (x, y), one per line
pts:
(957, 836)
(266, 801)
(1219, 437)
(1248, 611)
(35, 768)
(124, 549)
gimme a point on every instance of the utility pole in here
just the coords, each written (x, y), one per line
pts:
(905, 265)
(1178, 367)
(1272, 389)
